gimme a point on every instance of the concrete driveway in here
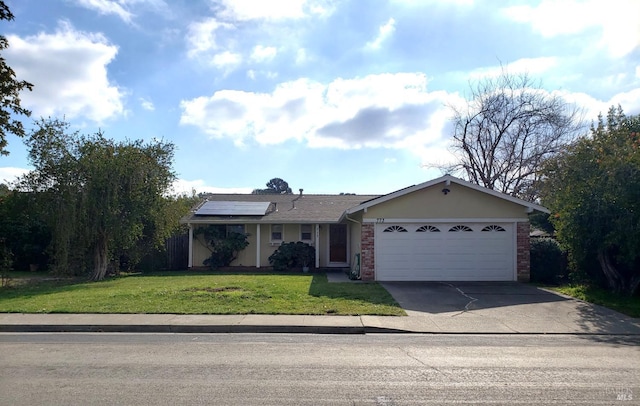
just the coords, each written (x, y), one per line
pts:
(500, 307)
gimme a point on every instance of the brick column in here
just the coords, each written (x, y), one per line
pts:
(523, 251)
(367, 260)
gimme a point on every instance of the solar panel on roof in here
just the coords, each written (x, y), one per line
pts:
(233, 209)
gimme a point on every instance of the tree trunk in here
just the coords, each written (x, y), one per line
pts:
(615, 279)
(100, 260)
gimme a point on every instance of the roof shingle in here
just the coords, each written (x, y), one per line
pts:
(286, 208)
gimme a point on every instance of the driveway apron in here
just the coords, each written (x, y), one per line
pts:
(502, 307)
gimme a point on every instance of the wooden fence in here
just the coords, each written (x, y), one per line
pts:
(177, 249)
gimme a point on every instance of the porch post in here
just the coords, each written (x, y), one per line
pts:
(317, 240)
(190, 260)
(258, 245)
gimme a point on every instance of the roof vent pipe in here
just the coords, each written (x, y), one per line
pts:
(293, 202)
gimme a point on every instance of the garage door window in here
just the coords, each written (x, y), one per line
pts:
(460, 228)
(493, 227)
(428, 229)
(395, 229)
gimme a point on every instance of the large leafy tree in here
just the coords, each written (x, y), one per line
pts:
(275, 186)
(506, 130)
(105, 197)
(22, 228)
(593, 190)
(10, 89)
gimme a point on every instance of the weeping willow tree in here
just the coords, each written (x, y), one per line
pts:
(104, 196)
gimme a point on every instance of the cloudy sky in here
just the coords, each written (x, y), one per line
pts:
(332, 96)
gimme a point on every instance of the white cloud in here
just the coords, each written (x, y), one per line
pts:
(122, 8)
(387, 110)
(226, 60)
(147, 104)
(107, 7)
(261, 53)
(301, 56)
(630, 102)
(384, 32)
(617, 20)
(201, 37)
(253, 74)
(183, 186)
(9, 174)
(69, 72)
(244, 10)
(211, 35)
(534, 66)
(436, 2)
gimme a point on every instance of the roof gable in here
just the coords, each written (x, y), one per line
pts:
(327, 208)
(446, 179)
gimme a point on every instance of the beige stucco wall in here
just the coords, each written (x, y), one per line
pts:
(460, 202)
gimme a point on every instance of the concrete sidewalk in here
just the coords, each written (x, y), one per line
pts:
(474, 322)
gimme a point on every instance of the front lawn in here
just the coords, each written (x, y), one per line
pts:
(202, 293)
(629, 305)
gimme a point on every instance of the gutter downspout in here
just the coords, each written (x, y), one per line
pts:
(317, 241)
(258, 245)
(190, 260)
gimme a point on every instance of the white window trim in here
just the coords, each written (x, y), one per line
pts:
(310, 239)
(271, 239)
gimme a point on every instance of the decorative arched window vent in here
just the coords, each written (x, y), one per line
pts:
(395, 229)
(428, 229)
(493, 227)
(460, 228)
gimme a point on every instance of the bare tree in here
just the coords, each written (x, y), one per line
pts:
(507, 129)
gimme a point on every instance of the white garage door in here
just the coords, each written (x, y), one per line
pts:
(445, 252)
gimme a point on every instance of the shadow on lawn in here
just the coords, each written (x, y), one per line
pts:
(371, 293)
(34, 287)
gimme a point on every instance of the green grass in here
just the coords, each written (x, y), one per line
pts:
(629, 305)
(197, 293)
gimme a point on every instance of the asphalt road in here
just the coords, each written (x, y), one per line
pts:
(282, 369)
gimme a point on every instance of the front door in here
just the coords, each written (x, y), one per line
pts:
(338, 243)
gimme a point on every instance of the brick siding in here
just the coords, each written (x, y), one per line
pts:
(367, 261)
(522, 252)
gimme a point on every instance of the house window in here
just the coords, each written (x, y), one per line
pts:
(276, 232)
(305, 232)
(235, 228)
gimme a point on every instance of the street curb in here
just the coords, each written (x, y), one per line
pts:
(158, 328)
(259, 329)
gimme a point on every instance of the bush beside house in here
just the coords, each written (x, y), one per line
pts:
(292, 255)
(548, 261)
